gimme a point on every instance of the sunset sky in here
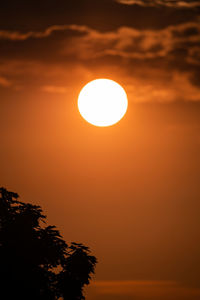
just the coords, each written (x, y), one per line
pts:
(131, 192)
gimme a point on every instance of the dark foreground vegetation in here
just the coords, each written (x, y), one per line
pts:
(35, 261)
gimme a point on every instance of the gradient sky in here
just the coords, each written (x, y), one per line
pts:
(131, 191)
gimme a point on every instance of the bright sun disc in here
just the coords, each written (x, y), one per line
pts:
(102, 102)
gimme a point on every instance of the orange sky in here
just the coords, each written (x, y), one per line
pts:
(130, 191)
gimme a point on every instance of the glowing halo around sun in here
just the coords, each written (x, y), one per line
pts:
(102, 102)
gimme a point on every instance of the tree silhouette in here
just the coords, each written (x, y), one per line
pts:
(35, 262)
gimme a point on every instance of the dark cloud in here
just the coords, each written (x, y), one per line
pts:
(102, 15)
(85, 43)
(147, 58)
(20, 36)
(150, 45)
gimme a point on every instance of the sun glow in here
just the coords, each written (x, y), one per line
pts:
(102, 102)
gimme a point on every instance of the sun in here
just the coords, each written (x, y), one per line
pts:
(102, 102)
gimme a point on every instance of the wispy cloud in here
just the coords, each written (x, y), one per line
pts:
(130, 43)
(19, 36)
(125, 41)
(148, 59)
(168, 3)
(4, 82)
(178, 88)
(54, 89)
(137, 289)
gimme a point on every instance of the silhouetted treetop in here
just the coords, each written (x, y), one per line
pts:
(35, 261)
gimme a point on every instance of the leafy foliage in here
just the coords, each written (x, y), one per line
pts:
(35, 262)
